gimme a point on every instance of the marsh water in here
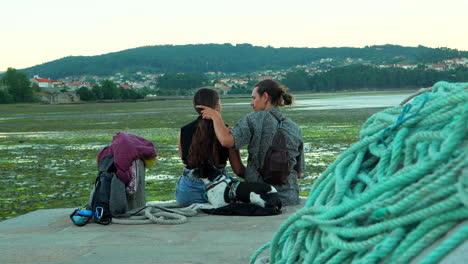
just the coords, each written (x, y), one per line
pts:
(347, 101)
(48, 152)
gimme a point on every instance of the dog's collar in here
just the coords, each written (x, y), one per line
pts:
(214, 183)
(232, 190)
(211, 186)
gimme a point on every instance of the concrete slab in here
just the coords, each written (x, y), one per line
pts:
(48, 236)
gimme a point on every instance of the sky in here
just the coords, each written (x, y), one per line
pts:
(34, 32)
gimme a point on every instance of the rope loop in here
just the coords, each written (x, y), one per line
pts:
(154, 213)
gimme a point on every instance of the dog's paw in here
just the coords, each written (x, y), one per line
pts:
(257, 199)
(272, 200)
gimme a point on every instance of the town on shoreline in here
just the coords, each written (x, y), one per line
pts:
(324, 75)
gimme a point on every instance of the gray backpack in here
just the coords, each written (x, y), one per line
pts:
(277, 164)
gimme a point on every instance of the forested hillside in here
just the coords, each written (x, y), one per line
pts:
(228, 58)
(358, 77)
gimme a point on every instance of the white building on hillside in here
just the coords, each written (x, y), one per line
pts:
(45, 84)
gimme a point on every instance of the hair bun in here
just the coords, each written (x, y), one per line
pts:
(287, 98)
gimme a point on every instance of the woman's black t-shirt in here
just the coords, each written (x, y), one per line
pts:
(186, 134)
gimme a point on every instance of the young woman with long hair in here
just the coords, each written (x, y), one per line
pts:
(202, 153)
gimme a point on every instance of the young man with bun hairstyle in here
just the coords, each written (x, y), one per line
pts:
(256, 130)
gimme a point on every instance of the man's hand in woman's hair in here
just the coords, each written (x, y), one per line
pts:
(208, 112)
(222, 132)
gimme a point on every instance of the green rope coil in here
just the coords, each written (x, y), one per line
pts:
(393, 193)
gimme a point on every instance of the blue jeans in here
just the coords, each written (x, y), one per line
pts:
(190, 190)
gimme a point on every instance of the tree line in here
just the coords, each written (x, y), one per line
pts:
(168, 84)
(369, 77)
(108, 90)
(15, 87)
(229, 58)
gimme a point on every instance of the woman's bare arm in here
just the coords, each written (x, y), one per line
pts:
(180, 149)
(180, 152)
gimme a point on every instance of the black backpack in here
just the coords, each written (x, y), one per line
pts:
(100, 203)
(99, 209)
(277, 164)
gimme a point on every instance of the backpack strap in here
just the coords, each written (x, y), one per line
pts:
(280, 121)
(106, 163)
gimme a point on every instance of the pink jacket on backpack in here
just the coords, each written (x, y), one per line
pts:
(126, 148)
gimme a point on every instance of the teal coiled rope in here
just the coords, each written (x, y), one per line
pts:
(393, 193)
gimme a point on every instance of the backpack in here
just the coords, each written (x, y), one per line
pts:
(102, 190)
(277, 164)
(99, 209)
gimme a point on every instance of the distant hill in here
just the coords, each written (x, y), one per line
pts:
(228, 58)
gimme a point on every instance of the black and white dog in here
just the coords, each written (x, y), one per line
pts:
(224, 190)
